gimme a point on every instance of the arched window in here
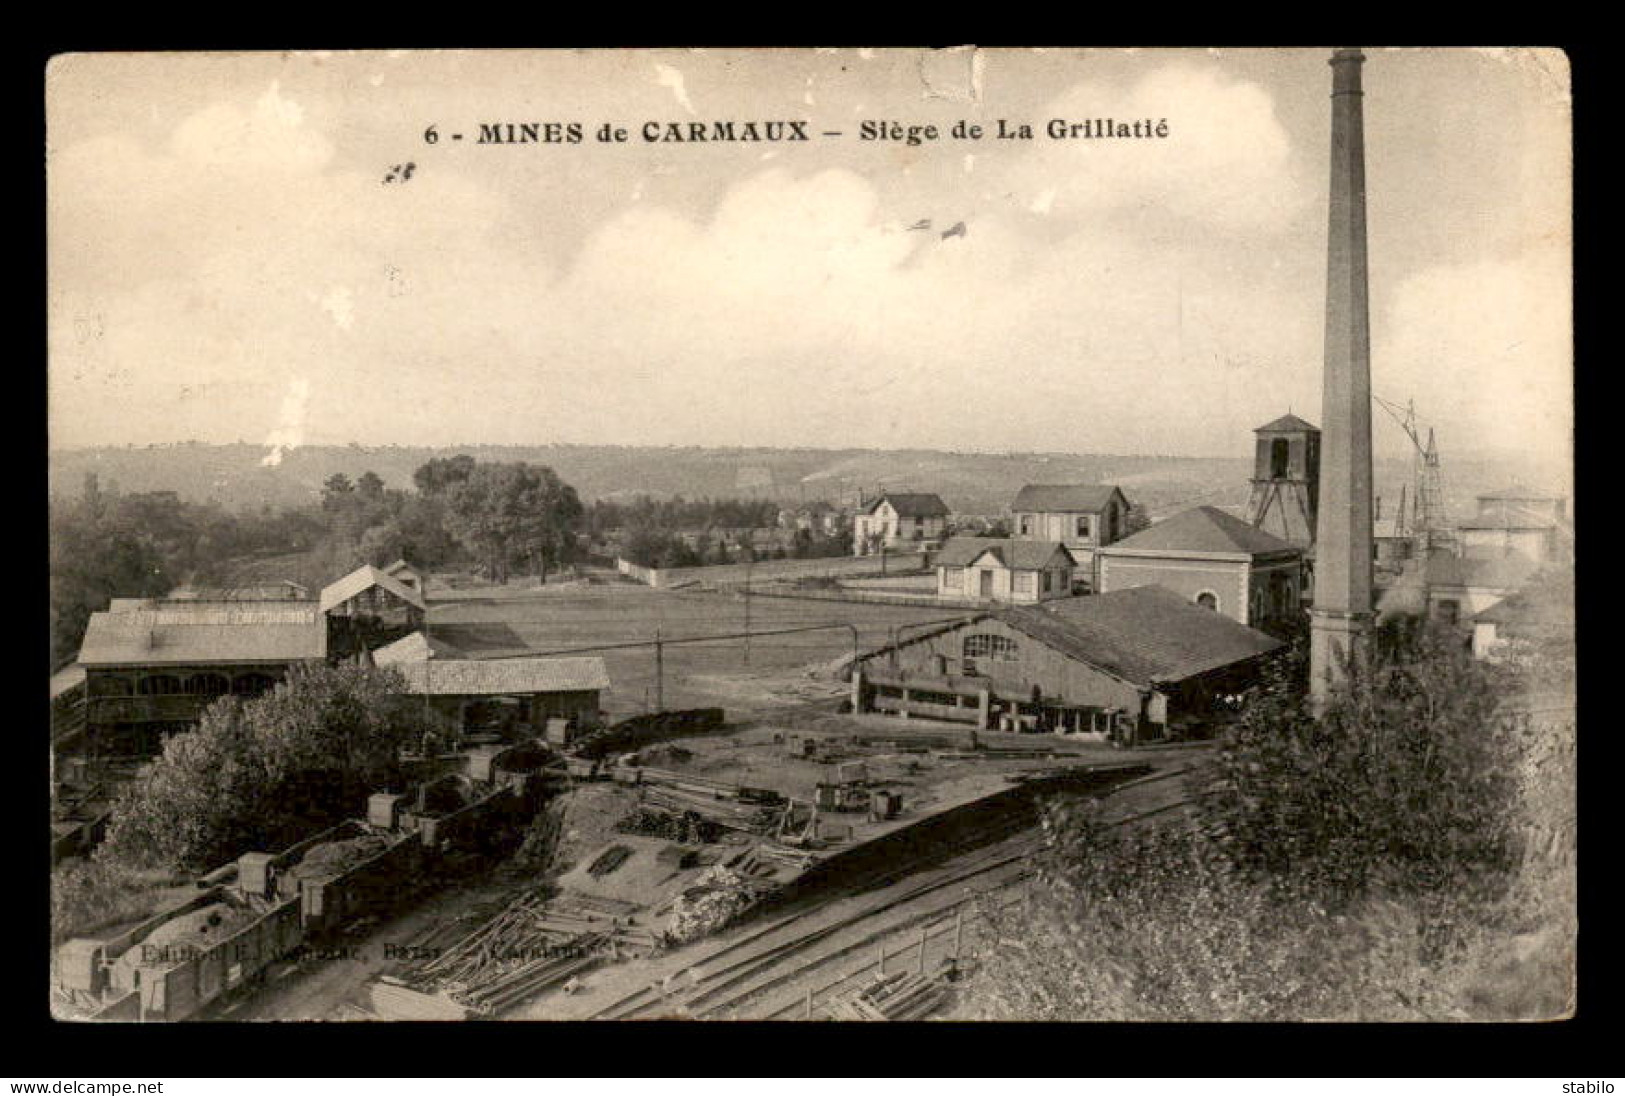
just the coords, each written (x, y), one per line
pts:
(252, 684)
(208, 685)
(1207, 599)
(159, 685)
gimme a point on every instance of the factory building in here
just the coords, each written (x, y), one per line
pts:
(152, 666)
(506, 699)
(1130, 666)
(1518, 522)
(1002, 569)
(1215, 560)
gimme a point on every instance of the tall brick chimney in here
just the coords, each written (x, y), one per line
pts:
(1341, 617)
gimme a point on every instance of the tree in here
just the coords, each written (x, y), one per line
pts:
(440, 473)
(504, 513)
(261, 772)
(370, 485)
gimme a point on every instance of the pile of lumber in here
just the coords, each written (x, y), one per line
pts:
(902, 995)
(731, 814)
(527, 947)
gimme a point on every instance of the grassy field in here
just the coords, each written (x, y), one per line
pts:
(504, 622)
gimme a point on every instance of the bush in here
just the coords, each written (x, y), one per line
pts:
(260, 773)
(1408, 856)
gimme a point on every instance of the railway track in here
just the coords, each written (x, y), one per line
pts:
(758, 975)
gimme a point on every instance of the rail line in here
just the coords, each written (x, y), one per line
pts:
(734, 974)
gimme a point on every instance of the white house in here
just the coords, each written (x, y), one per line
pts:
(994, 569)
(899, 520)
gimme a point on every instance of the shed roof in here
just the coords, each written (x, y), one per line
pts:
(363, 578)
(416, 647)
(1144, 635)
(912, 505)
(1064, 498)
(67, 679)
(505, 676)
(1287, 424)
(1204, 529)
(207, 633)
(1017, 555)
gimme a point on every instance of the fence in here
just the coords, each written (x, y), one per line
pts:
(737, 574)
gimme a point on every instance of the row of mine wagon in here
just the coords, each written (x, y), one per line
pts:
(267, 908)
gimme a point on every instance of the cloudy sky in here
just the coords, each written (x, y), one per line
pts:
(228, 262)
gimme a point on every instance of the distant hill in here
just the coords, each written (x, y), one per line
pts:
(970, 483)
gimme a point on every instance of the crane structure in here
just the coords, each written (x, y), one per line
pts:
(1428, 522)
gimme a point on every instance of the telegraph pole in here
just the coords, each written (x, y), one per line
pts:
(660, 674)
(750, 564)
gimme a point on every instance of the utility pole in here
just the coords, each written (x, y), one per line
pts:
(660, 674)
(750, 565)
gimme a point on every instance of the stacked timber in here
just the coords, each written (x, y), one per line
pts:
(527, 947)
(902, 995)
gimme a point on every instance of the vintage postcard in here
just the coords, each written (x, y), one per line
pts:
(816, 534)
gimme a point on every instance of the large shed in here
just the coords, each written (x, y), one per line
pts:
(508, 697)
(151, 667)
(1128, 665)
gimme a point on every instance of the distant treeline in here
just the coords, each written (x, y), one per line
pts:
(501, 518)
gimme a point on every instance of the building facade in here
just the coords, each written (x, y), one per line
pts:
(1082, 516)
(1215, 560)
(909, 520)
(1128, 666)
(1006, 570)
(152, 667)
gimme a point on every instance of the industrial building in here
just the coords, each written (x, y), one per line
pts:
(1215, 560)
(1130, 665)
(151, 666)
(1517, 521)
(1285, 496)
(1003, 569)
(506, 699)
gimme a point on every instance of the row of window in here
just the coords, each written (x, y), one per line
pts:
(1002, 648)
(953, 578)
(1027, 525)
(173, 685)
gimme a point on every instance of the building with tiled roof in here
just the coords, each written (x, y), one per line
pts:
(1128, 665)
(508, 697)
(1004, 569)
(1213, 559)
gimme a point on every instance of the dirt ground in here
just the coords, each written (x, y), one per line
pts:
(507, 621)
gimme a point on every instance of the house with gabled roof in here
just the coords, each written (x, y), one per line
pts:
(1082, 516)
(899, 520)
(1215, 560)
(1004, 569)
